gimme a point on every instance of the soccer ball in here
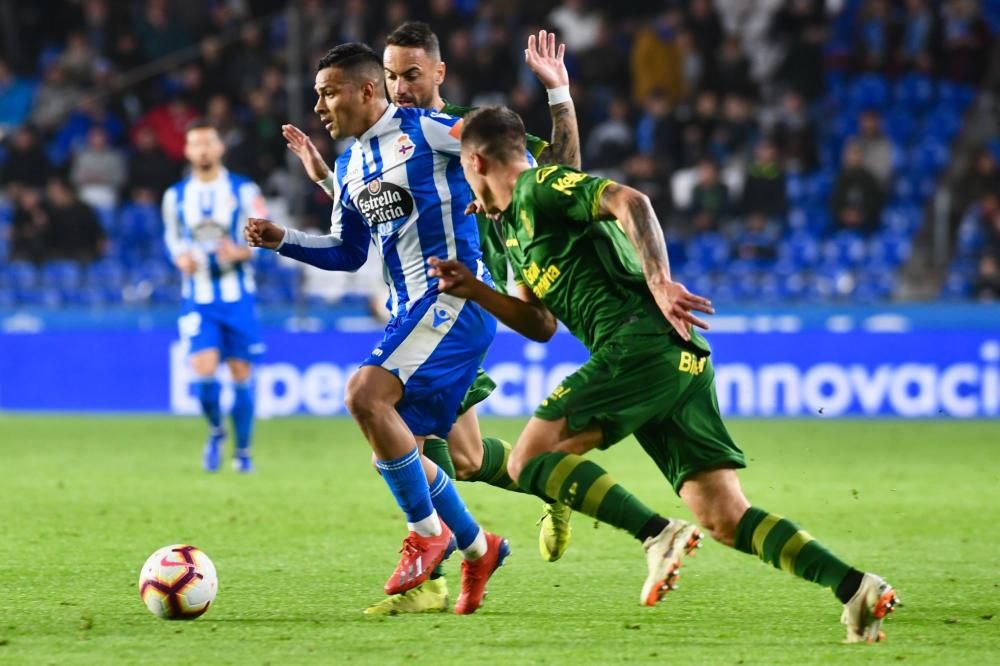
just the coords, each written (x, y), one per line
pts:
(178, 582)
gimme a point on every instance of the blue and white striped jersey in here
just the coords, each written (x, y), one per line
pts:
(196, 216)
(400, 186)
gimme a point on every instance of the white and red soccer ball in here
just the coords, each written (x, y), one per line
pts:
(178, 582)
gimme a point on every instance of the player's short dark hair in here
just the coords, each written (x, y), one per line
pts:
(200, 124)
(357, 60)
(415, 34)
(496, 132)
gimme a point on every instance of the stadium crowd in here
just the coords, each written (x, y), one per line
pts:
(791, 150)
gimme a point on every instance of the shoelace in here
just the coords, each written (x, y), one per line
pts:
(411, 546)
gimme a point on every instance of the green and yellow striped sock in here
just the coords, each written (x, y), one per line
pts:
(437, 451)
(587, 488)
(779, 542)
(493, 471)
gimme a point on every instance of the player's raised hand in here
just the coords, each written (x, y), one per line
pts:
(545, 59)
(263, 233)
(454, 277)
(677, 304)
(306, 151)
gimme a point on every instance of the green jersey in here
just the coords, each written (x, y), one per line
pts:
(582, 268)
(489, 236)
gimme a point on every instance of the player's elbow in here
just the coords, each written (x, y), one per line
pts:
(546, 328)
(356, 260)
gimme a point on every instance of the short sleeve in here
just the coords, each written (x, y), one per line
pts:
(568, 193)
(442, 132)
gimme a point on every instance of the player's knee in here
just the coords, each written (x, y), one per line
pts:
(359, 402)
(516, 463)
(721, 521)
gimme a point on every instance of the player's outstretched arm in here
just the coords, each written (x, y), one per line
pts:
(307, 152)
(545, 58)
(344, 252)
(633, 209)
(526, 315)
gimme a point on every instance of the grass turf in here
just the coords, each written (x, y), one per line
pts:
(303, 545)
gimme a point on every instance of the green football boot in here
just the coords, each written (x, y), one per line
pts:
(555, 531)
(430, 597)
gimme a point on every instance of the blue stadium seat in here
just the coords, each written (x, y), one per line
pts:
(707, 252)
(956, 286)
(61, 275)
(106, 273)
(914, 91)
(970, 236)
(845, 248)
(800, 250)
(869, 92)
(900, 125)
(929, 156)
(22, 274)
(942, 124)
(955, 96)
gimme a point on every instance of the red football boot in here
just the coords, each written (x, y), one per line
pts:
(476, 573)
(420, 555)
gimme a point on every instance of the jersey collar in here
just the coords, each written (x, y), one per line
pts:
(381, 124)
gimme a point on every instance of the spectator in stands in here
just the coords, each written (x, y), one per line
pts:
(54, 99)
(801, 27)
(72, 135)
(26, 162)
(873, 35)
(78, 59)
(794, 134)
(699, 130)
(738, 129)
(705, 27)
(602, 66)
(650, 174)
(658, 132)
(15, 98)
(981, 179)
(75, 231)
(875, 147)
(764, 186)
(692, 62)
(857, 195)
(656, 59)
(757, 240)
(158, 33)
(99, 171)
(168, 122)
(31, 232)
(576, 24)
(965, 41)
(709, 199)
(916, 38)
(148, 167)
(611, 142)
(730, 74)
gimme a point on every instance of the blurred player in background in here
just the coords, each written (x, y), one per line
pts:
(204, 215)
(414, 73)
(649, 373)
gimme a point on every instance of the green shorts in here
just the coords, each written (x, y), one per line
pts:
(481, 388)
(664, 394)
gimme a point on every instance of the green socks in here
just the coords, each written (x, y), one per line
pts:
(779, 542)
(587, 488)
(493, 471)
(437, 450)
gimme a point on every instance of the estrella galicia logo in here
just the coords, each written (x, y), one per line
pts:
(382, 202)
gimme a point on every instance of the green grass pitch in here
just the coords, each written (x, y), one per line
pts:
(303, 545)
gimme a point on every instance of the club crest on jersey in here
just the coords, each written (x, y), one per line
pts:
(381, 202)
(404, 146)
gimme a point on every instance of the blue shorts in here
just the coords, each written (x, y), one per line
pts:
(435, 351)
(231, 328)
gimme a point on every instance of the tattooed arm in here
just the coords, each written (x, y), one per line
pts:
(546, 60)
(635, 213)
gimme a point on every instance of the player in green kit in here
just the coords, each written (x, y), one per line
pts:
(590, 253)
(414, 73)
